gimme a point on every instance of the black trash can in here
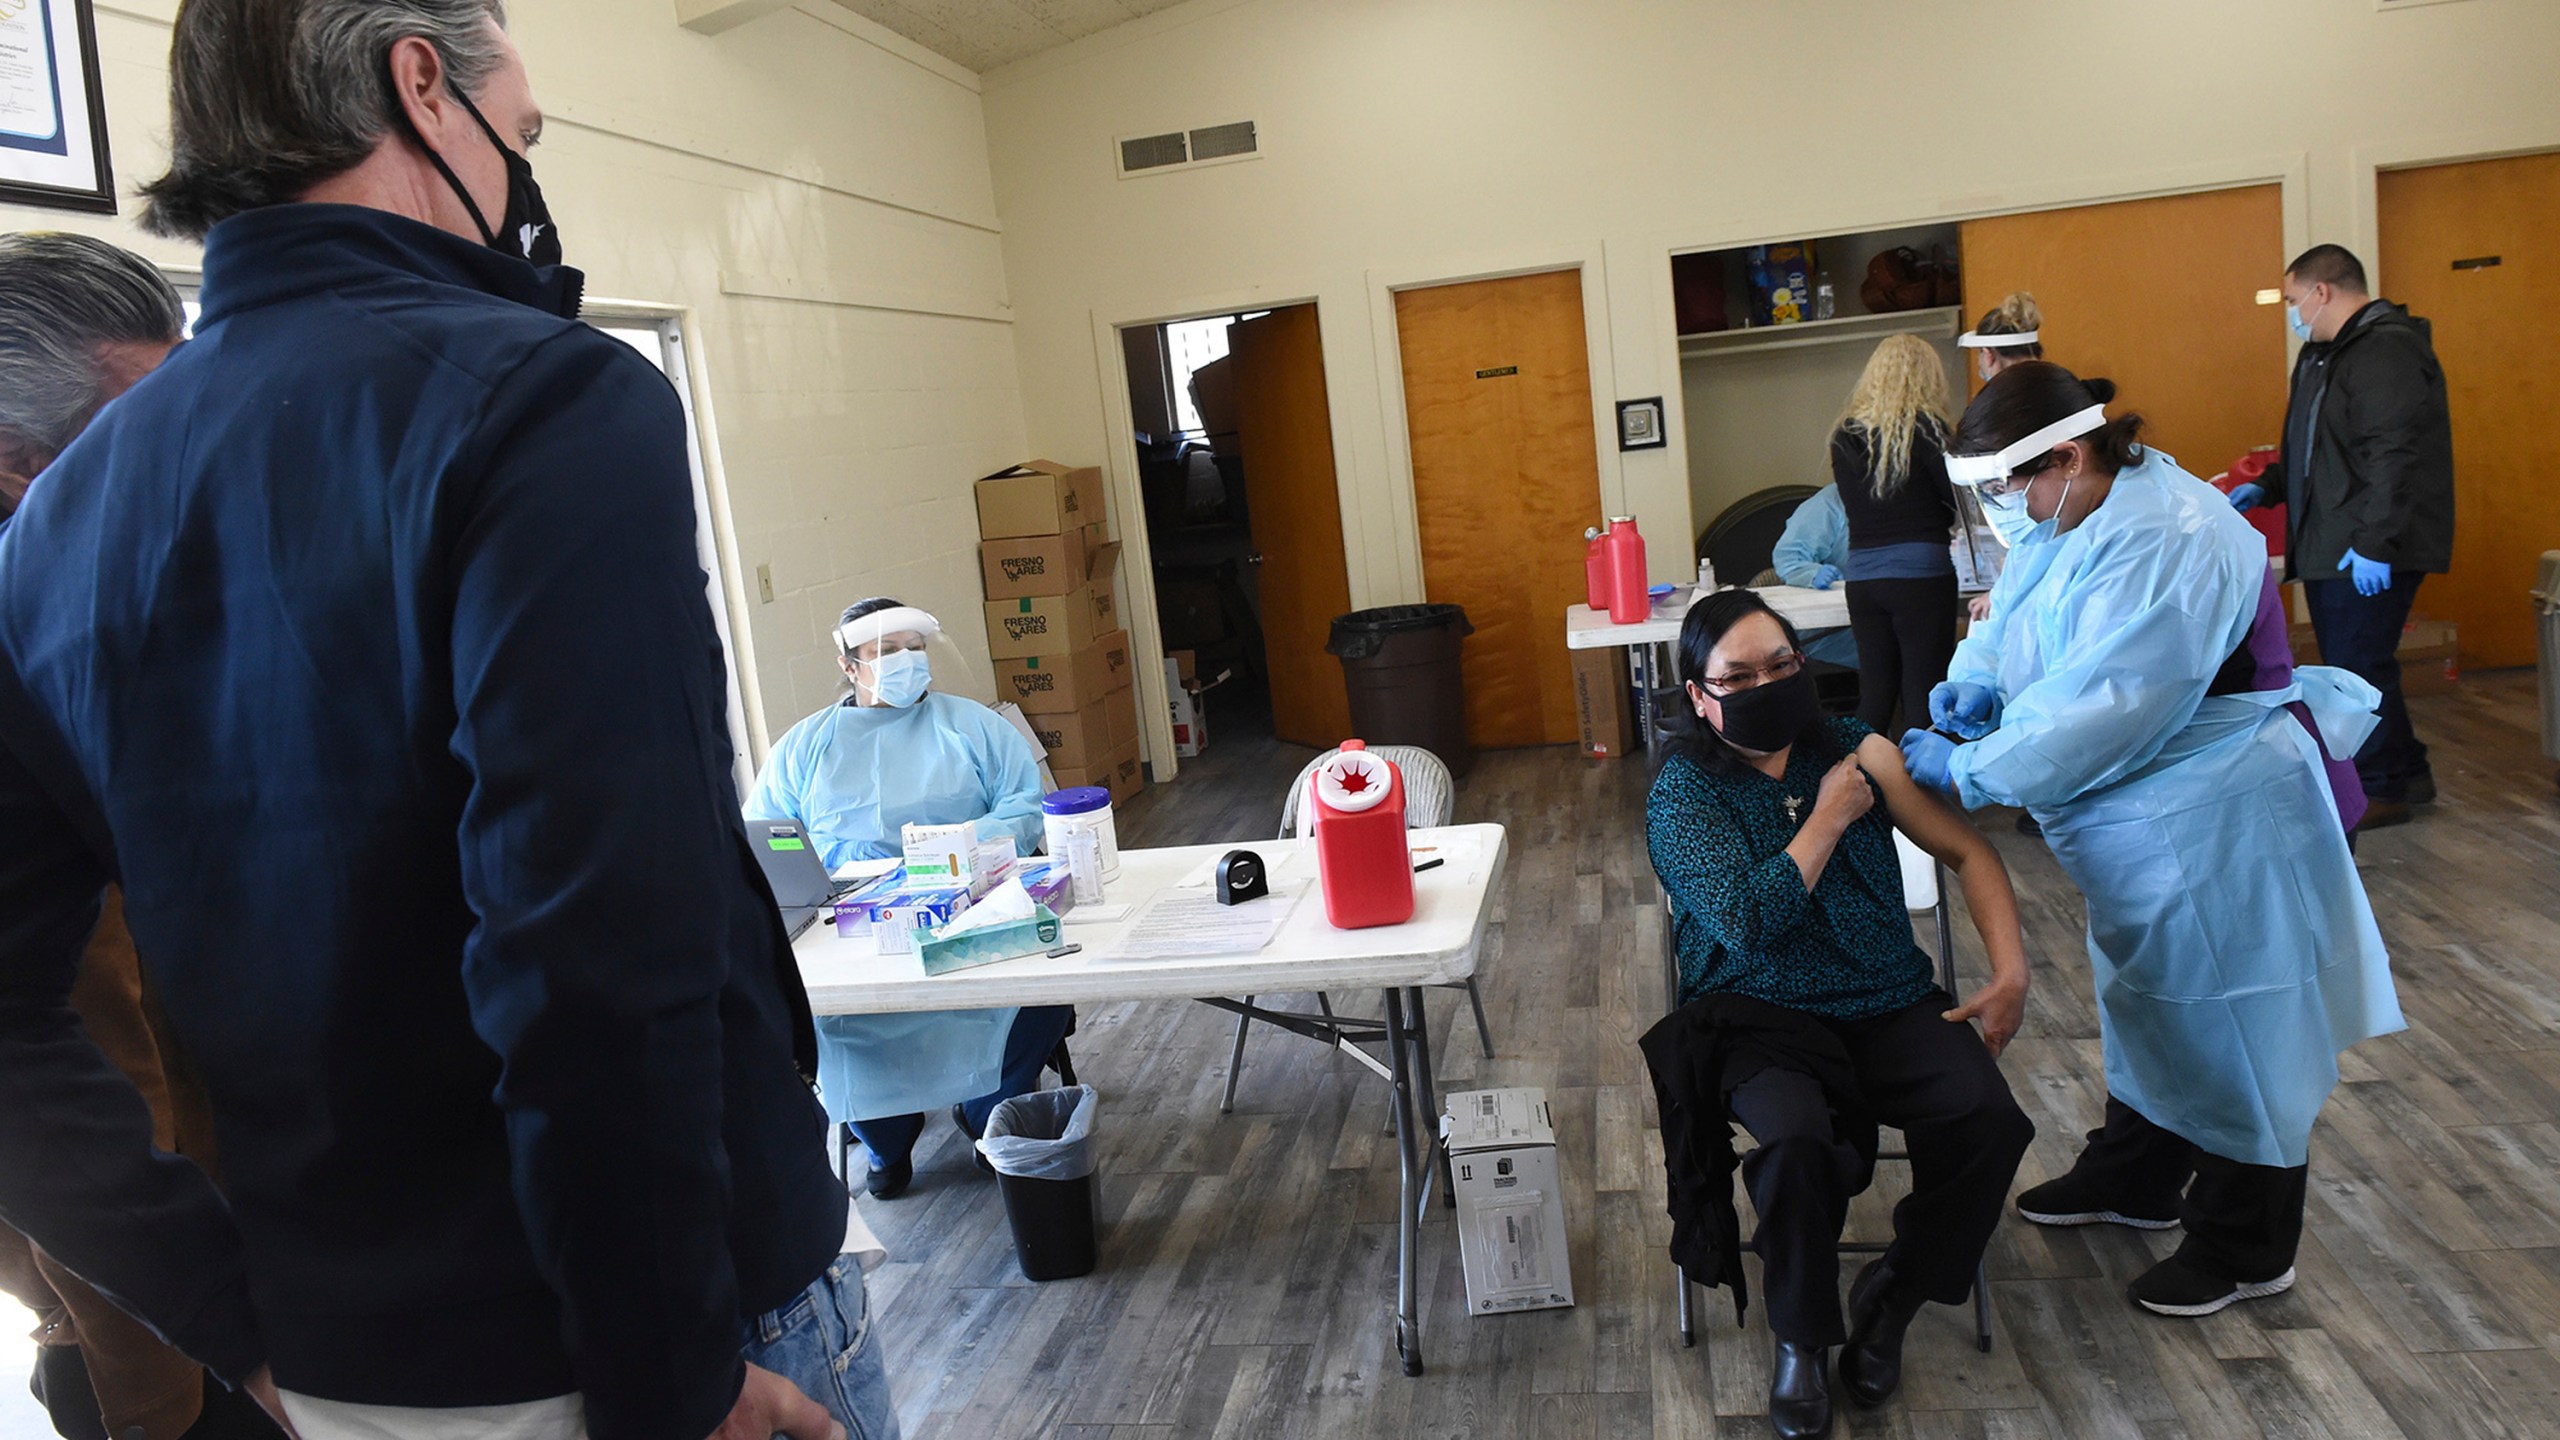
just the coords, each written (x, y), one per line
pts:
(1401, 665)
(1041, 1146)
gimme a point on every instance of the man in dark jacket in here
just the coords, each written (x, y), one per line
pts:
(2368, 474)
(364, 643)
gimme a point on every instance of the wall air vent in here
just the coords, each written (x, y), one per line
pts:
(1180, 150)
(1153, 152)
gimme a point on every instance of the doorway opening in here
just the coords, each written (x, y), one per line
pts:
(1234, 441)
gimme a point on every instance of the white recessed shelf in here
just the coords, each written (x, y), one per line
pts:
(1937, 323)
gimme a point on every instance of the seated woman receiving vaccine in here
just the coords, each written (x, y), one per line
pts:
(1809, 1015)
(895, 753)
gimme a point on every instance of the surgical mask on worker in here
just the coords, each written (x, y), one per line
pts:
(2006, 515)
(2295, 322)
(899, 678)
(1768, 717)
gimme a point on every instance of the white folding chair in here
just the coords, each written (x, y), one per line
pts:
(1429, 797)
(1923, 889)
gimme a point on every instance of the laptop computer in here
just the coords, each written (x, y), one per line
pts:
(801, 885)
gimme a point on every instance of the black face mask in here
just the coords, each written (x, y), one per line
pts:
(525, 230)
(1767, 718)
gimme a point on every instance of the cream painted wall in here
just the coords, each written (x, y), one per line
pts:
(1406, 140)
(835, 170)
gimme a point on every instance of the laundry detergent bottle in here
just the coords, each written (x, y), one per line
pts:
(1357, 799)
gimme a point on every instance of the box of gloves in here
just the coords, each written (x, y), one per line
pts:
(1511, 1235)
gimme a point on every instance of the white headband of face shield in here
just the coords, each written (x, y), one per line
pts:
(880, 624)
(1979, 469)
(1976, 340)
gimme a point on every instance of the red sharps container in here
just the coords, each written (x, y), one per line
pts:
(1357, 799)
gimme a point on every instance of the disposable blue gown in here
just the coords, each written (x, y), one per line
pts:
(853, 775)
(1817, 534)
(2234, 950)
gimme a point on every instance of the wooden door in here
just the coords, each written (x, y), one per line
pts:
(1506, 477)
(2490, 322)
(1284, 431)
(2159, 296)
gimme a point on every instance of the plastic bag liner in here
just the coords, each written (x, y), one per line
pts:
(1045, 1135)
(1360, 634)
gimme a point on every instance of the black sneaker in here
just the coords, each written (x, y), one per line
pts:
(2073, 1201)
(2176, 1287)
(891, 1180)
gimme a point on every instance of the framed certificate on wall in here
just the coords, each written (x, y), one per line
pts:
(53, 118)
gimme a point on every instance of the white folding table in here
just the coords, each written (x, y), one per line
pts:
(1438, 946)
(1589, 629)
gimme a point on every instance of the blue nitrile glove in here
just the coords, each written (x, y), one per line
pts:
(1927, 754)
(2372, 576)
(1961, 707)
(2249, 496)
(1826, 576)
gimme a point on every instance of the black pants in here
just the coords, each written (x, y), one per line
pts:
(1937, 1084)
(2361, 634)
(1906, 634)
(2243, 1222)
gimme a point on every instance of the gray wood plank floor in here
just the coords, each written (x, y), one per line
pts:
(1247, 1272)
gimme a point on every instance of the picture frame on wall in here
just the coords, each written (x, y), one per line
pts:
(1639, 421)
(53, 115)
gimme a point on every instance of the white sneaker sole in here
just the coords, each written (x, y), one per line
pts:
(2095, 1217)
(2259, 1291)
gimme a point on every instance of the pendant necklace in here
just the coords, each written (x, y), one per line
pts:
(1791, 802)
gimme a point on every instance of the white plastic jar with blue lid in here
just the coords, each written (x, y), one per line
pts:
(1078, 820)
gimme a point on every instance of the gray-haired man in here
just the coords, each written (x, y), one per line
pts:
(456, 916)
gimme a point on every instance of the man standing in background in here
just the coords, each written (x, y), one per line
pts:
(80, 322)
(2368, 474)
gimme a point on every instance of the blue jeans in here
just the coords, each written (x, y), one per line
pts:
(1036, 1031)
(2361, 634)
(824, 1342)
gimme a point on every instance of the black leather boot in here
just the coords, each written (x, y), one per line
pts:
(1800, 1392)
(1871, 1363)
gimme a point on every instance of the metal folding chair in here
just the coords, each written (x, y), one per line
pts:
(1923, 889)
(1429, 798)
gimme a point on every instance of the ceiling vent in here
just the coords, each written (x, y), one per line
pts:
(1181, 150)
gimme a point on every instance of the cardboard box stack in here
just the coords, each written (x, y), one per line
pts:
(1053, 621)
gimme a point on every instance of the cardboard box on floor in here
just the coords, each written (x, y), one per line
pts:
(1185, 697)
(1046, 564)
(1600, 700)
(1046, 624)
(1055, 682)
(2430, 654)
(1039, 497)
(1118, 772)
(1082, 739)
(1511, 1235)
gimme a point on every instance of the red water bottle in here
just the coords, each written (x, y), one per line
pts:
(1628, 602)
(1357, 799)
(1595, 567)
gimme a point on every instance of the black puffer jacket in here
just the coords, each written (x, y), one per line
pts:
(2368, 449)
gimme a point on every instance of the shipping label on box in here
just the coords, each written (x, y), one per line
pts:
(1600, 702)
(1511, 1233)
(1046, 564)
(1053, 682)
(1042, 624)
(1039, 497)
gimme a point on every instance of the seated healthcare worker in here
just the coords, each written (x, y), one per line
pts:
(1809, 554)
(2232, 946)
(891, 754)
(1809, 1015)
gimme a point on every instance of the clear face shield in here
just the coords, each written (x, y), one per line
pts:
(889, 657)
(1998, 483)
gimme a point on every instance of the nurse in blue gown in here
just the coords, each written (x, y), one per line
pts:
(2233, 951)
(895, 752)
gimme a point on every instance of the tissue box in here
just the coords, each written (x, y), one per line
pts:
(944, 954)
(863, 911)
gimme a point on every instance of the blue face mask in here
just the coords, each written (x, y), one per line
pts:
(2007, 516)
(899, 678)
(2293, 321)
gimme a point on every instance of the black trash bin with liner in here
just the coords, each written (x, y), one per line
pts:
(1401, 665)
(1041, 1146)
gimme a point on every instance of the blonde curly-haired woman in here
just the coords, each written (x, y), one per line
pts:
(1888, 458)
